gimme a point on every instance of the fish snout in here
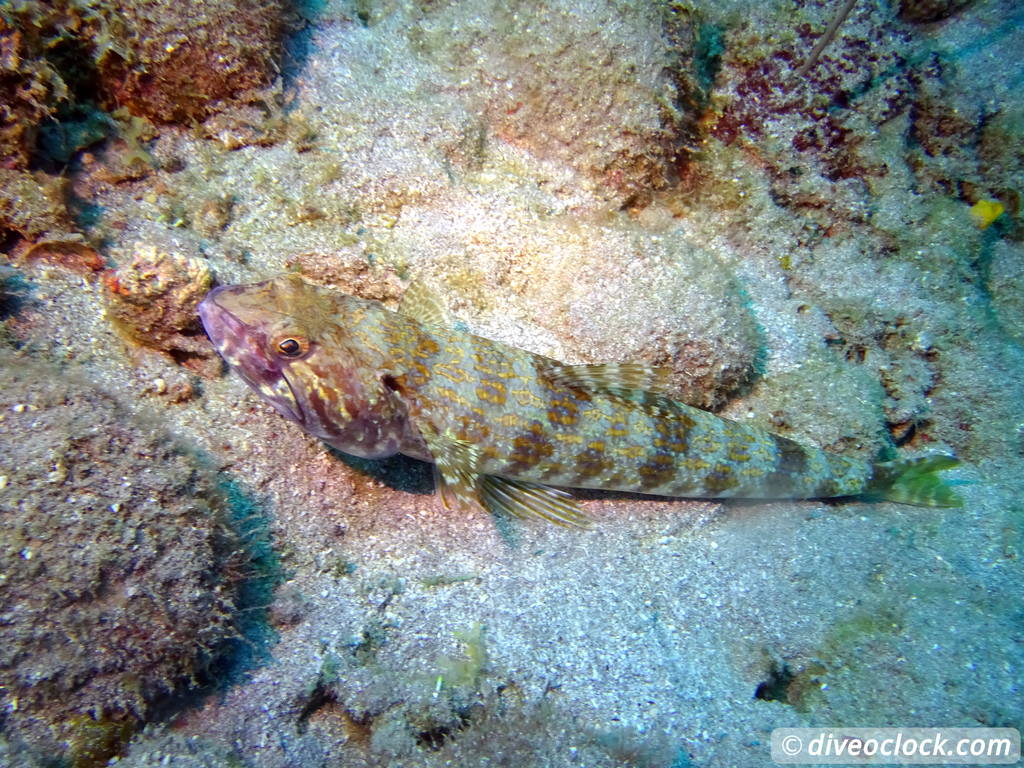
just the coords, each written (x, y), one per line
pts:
(240, 344)
(218, 322)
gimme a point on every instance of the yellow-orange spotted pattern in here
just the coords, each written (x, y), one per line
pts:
(502, 424)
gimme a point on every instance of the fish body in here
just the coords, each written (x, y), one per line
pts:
(506, 427)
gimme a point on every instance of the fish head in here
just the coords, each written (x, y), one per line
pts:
(299, 347)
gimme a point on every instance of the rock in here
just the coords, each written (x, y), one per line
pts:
(152, 299)
(116, 588)
(177, 62)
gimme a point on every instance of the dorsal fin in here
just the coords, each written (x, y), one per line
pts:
(421, 303)
(617, 379)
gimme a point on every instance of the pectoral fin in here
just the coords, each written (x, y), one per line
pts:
(528, 500)
(456, 462)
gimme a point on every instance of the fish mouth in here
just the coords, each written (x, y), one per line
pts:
(291, 410)
(241, 346)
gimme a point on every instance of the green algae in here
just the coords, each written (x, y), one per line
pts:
(844, 652)
(463, 673)
(447, 579)
(92, 741)
(250, 522)
(372, 638)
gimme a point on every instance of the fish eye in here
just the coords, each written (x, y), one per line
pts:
(291, 346)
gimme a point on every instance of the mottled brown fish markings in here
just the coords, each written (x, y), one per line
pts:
(503, 425)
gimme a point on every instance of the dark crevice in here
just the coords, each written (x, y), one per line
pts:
(776, 686)
(320, 697)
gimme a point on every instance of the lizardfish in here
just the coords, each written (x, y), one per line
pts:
(507, 428)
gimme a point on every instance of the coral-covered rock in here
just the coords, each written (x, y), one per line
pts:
(114, 591)
(1001, 153)
(678, 308)
(34, 220)
(592, 293)
(29, 89)
(810, 132)
(355, 276)
(1006, 286)
(32, 205)
(589, 87)
(180, 61)
(152, 299)
(49, 52)
(945, 133)
(69, 251)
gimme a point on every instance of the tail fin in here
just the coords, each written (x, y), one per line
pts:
(915, 481)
